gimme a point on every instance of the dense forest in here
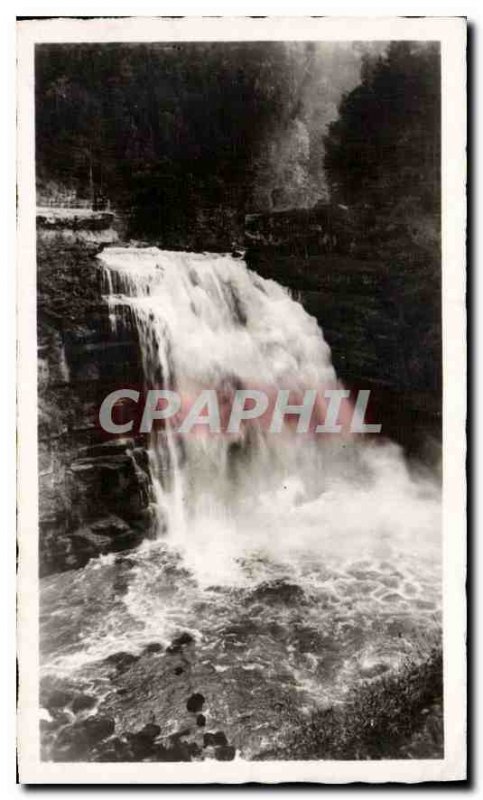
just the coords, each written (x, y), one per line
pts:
(382, 154)
(190, 137)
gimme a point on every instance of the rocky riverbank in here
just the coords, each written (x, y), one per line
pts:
(171, 703)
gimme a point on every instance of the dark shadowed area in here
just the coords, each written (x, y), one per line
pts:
(191, 134)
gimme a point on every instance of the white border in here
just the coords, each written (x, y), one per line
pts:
(451, 32)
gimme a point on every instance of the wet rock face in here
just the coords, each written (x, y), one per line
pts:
(94, 495)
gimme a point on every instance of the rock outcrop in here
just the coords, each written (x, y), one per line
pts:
(380, 320)
(95, 495)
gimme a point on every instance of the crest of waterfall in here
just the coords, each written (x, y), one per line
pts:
(207, 321)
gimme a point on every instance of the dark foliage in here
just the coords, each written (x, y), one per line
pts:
(383, 161)
(169, 132)
(383, 152)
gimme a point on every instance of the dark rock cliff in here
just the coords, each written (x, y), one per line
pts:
(94, 494)
(376, 296)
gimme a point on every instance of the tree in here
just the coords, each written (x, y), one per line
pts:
(385, 145)
(383, 161)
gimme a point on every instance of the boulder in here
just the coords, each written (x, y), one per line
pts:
(121, 661)
(153, 647)
(75, 741)
(195, 702)
(214, 739)
(83, 702)
(226, 753)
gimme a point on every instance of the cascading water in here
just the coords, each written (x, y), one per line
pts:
(206, 320)
(307, 563)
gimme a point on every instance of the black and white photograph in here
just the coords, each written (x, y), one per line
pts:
(241, 400)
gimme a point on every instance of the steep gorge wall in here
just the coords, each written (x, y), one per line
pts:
(94, 495)
(380, 320)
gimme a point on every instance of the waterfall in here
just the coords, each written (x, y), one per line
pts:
(205, 320)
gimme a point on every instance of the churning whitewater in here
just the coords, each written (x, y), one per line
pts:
(205, 320)
(306, 563)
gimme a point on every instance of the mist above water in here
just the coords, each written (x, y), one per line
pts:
(206, 321)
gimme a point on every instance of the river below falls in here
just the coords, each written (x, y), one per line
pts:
(276, 640)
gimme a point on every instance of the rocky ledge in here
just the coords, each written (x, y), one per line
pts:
(95, 495)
